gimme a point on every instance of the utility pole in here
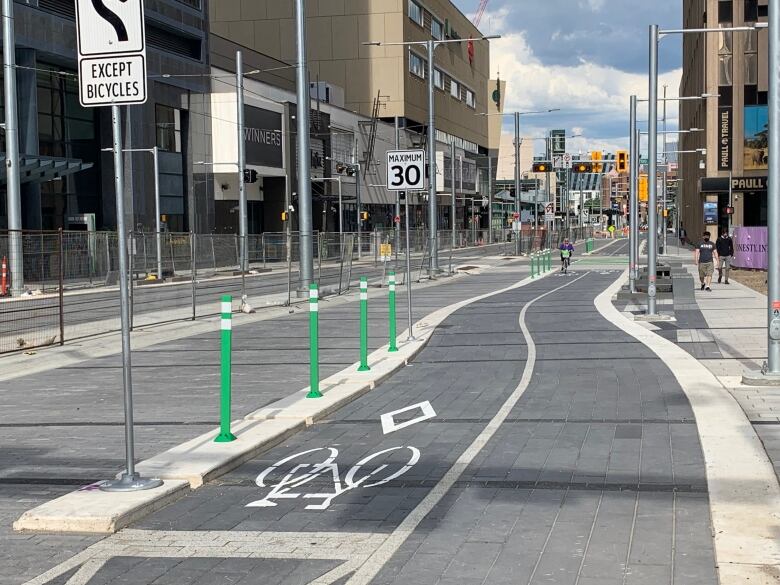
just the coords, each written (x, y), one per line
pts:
(490, 200)
(242, 206)
(13, 194)
(304, 154)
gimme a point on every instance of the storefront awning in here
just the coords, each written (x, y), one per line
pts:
(41, 169)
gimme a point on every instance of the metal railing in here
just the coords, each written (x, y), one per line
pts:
(71, 278)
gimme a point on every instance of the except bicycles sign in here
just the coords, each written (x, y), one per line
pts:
(406, 170)
(112, 52)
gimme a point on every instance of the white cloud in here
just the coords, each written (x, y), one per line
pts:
(597, 96)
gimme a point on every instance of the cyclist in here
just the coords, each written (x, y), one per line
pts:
(567, 249)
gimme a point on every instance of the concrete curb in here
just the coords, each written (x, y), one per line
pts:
(199, 460)
(743, 487)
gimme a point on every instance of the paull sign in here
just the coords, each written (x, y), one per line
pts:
(738, 184)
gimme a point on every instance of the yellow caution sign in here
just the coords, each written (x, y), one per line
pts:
(385, 252)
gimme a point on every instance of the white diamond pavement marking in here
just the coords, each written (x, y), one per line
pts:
(388, 421)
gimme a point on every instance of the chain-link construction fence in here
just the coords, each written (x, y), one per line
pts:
(71, 278)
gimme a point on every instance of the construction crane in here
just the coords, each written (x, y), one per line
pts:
(480, 11)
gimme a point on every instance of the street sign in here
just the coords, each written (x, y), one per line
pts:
(406, 170)
(385, 252)
(112, 52)
(562, 161)
(549, 211)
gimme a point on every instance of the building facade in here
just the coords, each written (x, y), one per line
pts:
(54, 129)
(735, 67)
(386, 83)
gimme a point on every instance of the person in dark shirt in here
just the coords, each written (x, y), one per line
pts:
(705, 255)
(725, 246)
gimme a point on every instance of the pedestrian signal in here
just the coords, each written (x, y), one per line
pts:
(364, 215)
(622, 161)
(596, 155)
(582, 167)
(285, 216)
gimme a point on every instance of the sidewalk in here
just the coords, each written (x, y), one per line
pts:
(726, 331)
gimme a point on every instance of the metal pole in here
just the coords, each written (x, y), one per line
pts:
(460, 186)
(517, 182)
(432, 208)
(130, 480)
(633, 203)
(341, 215)
(158, 227)
(663, 182)
(14, 199)
(638, 141)
(358, 202)
(453, 205)
(397, 224)
(408, 278)
(490, 200)
(652, 149)
(242, 210)
(773, 273)
(304, 154)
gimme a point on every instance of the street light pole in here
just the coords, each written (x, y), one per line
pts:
(633, 203)
(490, 200)
(13, 191)
(773, 272)
(304, 154)
(242, 205)
(453, 211)
(652, 149)
(518, 233)
(432, 207)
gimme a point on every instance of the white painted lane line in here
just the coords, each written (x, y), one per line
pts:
(389, 547)
(388, 421)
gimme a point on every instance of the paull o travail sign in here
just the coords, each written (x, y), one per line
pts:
(112, 52)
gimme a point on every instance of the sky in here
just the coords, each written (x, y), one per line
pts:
(585, 57)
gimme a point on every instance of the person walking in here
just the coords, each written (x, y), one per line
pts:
(704, 256)
(683, 235)
(725, 247)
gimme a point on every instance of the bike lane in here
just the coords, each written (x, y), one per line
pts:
(582, 466)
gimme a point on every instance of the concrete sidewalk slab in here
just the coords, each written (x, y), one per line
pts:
(91, 511)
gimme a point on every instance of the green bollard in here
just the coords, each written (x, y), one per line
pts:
(533, 265)
(549, 259)
(314, 350)
(391, 300)
(363, 325)
(225, 436)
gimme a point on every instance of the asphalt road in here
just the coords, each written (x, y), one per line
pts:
(541, 445)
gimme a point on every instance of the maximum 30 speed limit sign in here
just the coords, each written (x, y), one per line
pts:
(406, 170)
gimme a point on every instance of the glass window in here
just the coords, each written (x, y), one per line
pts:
(455, 89)
(416, 12)
(437, 29)
(416, 65)
(470, 101)
(438, 79)
(751, 69)
(168, 124)
(724, 69)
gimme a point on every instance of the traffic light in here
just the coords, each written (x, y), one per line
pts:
(622, 161)
(582, 167)
(596, 155)
(364, 215)
(285, 216)
(643, 192)
(541, 167)
(250, 176)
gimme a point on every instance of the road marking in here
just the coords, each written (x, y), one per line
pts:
(388, 422)
(369, 569)
(293, 478)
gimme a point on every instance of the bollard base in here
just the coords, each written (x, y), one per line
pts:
(225, 438)
(364, 369)
(760, 378)
(314, 394)
(392, 349)
(130, 483)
